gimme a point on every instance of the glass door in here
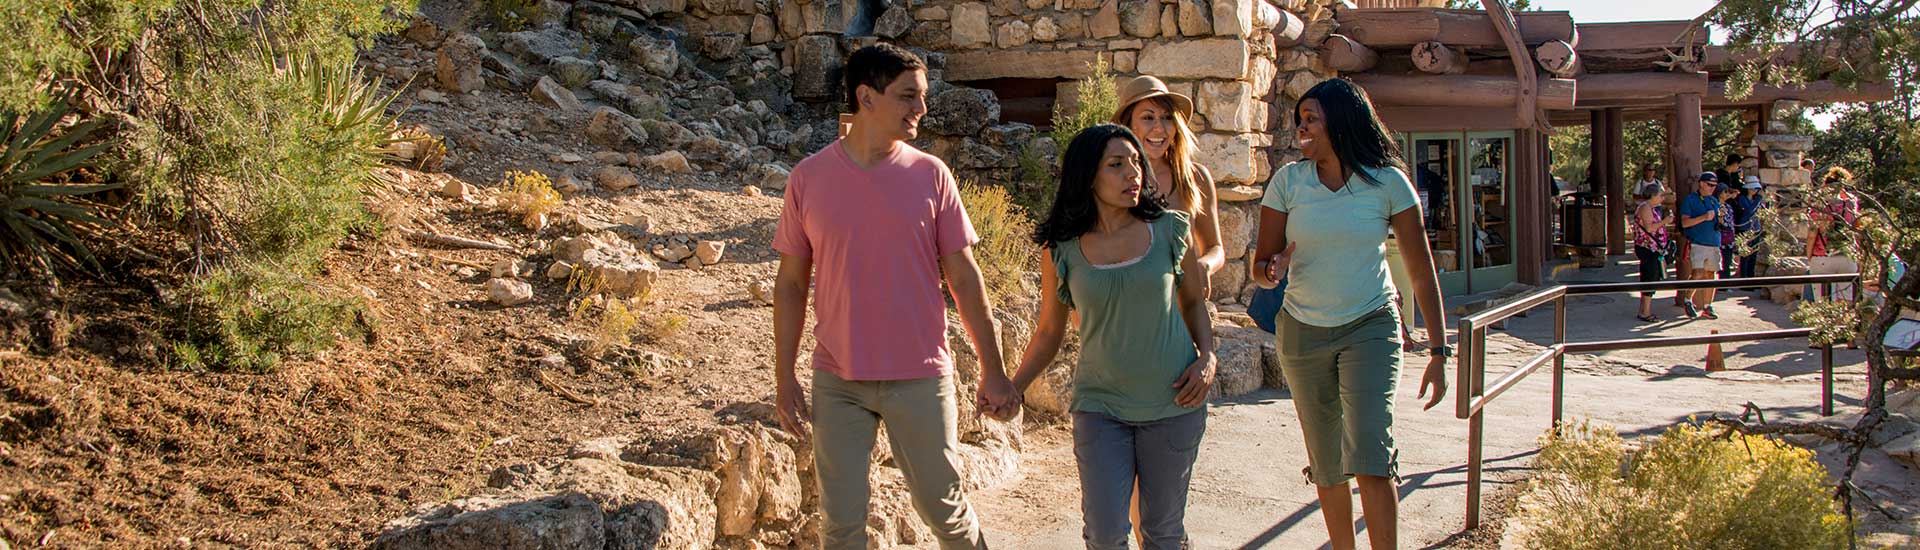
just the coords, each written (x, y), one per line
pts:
(1436, 166)
(1464, 182)
(1488, 194)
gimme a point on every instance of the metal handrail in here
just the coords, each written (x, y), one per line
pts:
(1474, 394)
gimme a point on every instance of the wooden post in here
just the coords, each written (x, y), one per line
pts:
(1686, 140)
(1287, 27)
(1436, 58)
(1347, 55)
(1616, 183)
(1532, 206)
(1557, 57)
(1596, 151)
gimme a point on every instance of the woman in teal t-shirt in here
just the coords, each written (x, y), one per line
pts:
(1323, 226)
(1126, 264)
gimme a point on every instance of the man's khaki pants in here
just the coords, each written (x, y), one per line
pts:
(922, 420)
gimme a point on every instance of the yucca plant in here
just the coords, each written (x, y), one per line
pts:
(46, 219)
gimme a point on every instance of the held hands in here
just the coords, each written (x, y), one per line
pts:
(1191, 389)
(1435, 377)
(997, 398)
(790, 402)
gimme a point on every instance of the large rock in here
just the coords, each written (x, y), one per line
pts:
(992, 64)
(1238, 224)
(895, 23)
(1227, 283)
(645, 507)
(543, 46)
(549, 92)
(1227, 104)
(509, 292)
(816, 68)
(1233, 17)
(772, 177)
(631, 99)
(671, 162)
(615, 178)
(574, 72)
(1140, 18)
(722, 46)
(1196, 17)
(762, 30)
(658, 7)
(1239, 370)
(1224, 58)
(543, 522)
(606, 24)
(1783, 142)
(1229, 156)
(655, 55)
(1014, 34)
(969, 26)
(457, 63)
(961, 112)
(1045, 30)
(612, 128)
(1106, 22)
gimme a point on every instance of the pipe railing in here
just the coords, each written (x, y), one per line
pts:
(1474, 393)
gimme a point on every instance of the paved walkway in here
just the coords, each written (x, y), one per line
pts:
(1249, 493)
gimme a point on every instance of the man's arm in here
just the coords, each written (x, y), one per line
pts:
(976, 312)
(1690, 221)
(789, 320)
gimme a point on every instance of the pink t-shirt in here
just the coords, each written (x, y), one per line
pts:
(876, 236)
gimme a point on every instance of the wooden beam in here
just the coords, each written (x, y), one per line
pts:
(1507, 26)
(1650, 85)
(1437, 58)
(1638, 35)
(1532, 205)
(1557, 57)
(1819, 91)
(1347, 55)
(1399, 28)
(1616, 184)
(1447, 119)
(1461, 90)
(1287, 27)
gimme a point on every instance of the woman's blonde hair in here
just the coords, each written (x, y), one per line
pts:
(1835, 174)
(1179, 153)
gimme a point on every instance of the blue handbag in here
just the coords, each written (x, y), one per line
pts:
(1265, 305)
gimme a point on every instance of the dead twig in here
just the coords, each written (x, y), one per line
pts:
(569, 394)
(451, 241)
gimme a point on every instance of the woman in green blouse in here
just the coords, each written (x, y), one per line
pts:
(1125, 262)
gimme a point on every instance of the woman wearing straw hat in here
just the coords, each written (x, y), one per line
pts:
(1158, 117)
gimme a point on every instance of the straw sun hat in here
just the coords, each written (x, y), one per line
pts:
(1147, 87)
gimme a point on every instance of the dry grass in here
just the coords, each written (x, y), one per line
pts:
(1688, 488)
(531, 196)
(1005, 251)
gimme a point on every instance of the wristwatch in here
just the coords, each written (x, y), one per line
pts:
(1441, 350)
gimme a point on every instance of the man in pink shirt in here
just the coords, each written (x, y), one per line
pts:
(877, 222)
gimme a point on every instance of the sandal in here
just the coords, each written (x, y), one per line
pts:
(1648, 318)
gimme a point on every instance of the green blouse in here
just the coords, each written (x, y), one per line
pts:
(1134, 341)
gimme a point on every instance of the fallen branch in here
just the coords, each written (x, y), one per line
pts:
(451, 241)
(569, 394)
(457, 261)
(1843, 435)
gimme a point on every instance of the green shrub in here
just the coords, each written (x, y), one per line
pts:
(1688, 488)
(1005, 253)
(514, 15)
(1099, 99)
(249, 316)
(43, 212)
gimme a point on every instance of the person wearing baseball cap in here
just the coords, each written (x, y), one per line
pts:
(1746, 222)
(1698, 212)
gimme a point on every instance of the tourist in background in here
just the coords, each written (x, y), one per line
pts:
(1650, 240)
(1158, 118)
(1837, 208)
(1112, 251)
(1729, 253)
(1746, 224)
(1698, 212)
(881, 337)
(1648, 176)
(1324, 225)
(1730, 172)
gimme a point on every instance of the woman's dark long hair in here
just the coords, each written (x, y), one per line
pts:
(1074, 210)
(1355, 133)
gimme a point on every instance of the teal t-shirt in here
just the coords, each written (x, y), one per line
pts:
(1339, 269)
(1133, 339)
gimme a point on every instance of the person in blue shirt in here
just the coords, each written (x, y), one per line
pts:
(1698, 212)
(1746, 222)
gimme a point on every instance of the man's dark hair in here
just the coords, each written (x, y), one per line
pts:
(876, 67)
(1734, 159)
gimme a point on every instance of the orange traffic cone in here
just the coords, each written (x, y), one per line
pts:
(1716, 361)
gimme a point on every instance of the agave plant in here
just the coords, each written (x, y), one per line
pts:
(45, 220)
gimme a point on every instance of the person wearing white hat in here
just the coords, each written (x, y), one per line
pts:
(1746, 223)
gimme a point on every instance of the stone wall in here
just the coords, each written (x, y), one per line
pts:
(1242, 75)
